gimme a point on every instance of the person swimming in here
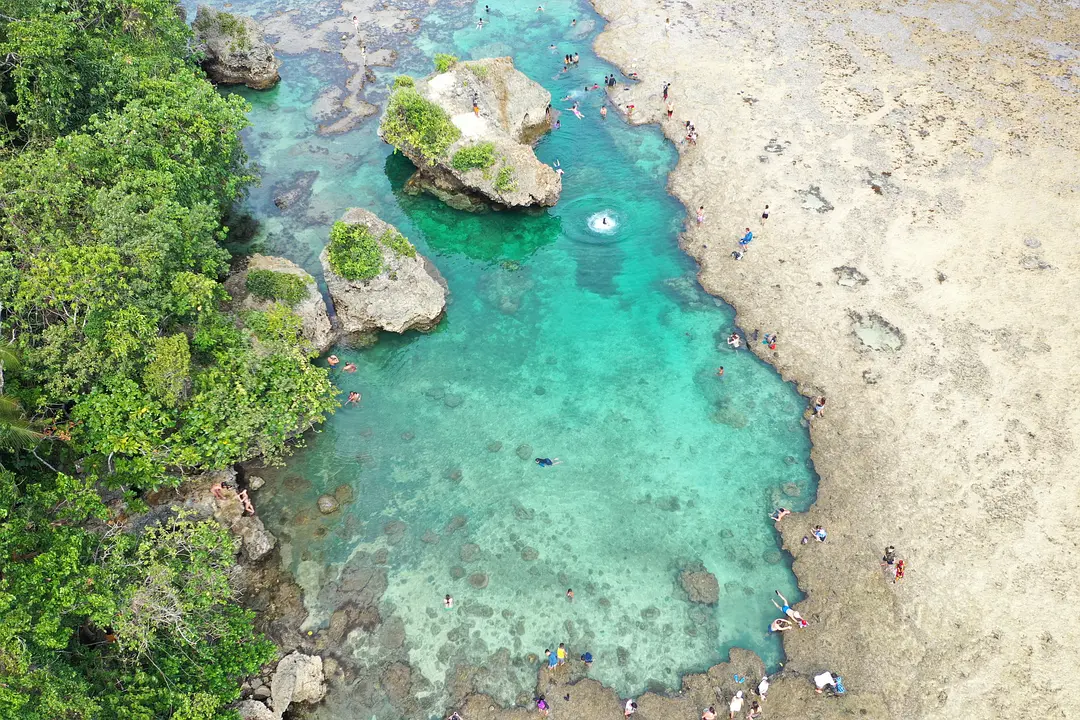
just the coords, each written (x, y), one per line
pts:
(605, 220)
(547, 462)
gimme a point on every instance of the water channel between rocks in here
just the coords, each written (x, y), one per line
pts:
(564, 339)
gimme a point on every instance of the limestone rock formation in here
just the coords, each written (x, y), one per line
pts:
(298, 679)
(700, 585)
(254, 710)
(483, 154)
(235, 52)
(408, 293)
(311, 308)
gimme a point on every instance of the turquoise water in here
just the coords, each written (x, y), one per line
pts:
(595, 348)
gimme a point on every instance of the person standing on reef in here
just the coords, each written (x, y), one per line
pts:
(552, 659)
(819, 407)
(763, 687)
(746, 238)
(629, 708)
(899, 572)
(560, 654)
(765, 214)
(666, 86)
(700, 210)
(736, 705)
(670, 110)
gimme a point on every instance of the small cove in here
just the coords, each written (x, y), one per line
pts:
(563, 338)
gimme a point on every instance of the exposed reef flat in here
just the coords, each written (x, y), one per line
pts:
(920, 265)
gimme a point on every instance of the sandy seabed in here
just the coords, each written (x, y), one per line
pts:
(921, 265)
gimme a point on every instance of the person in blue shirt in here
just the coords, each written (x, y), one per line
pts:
(747, 238)
(587, 658)
(553, 659)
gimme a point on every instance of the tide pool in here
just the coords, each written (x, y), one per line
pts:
(566, 338)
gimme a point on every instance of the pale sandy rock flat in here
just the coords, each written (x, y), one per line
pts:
(921, 266)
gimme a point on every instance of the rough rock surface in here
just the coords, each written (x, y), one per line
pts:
(512, 114)
(700, 585)
(315, 320)
(409, 294)
(920, 172)
(235, 51)
(254, 710)
(298, 679)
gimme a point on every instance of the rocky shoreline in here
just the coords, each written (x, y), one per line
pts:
(901, 288)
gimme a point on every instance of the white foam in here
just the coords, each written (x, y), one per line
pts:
(603, 222)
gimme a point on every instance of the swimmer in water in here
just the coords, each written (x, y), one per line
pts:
(558, 166)
(547, 462)
(603, 111)
(448, 602)
(354, 397)
(604, 221)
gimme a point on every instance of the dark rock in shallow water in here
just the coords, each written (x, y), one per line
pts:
(294, 191)
(407, 436)
(791, 490)
(469, 551)
(773, 557)
(453, 475)
(457, 572)
(604, 602)
(623, 656)
(453, 401)
(478, 580)
(494, 447)
(669, 503)
(524, 452)
(344, 494)
(523, 513)
(456, 522)
(701, 586)
(529, 554)
(430, 537)
(328, 504)
(727, 533)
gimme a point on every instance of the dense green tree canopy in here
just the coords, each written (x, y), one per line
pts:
(122, 370)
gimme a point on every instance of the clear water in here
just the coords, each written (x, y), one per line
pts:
(564, 338)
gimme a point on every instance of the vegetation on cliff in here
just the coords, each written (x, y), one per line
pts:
(412, 121)
(117, 162)
(355, 253)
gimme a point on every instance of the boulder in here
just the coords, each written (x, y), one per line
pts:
(328, 504)
(254, 710)
(407, 294)
(701, 586)
(314, 318)
(511, 112)
(234, 50)
(255, 539)
(298, 679)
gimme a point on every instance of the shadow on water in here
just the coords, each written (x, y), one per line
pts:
(493, 236)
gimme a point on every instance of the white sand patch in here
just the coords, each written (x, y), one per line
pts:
(470, 125)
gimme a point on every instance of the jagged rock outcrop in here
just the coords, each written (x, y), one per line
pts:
(408, 293)
(475, 148)
(311, 308)
(235, 52)
(298, 679)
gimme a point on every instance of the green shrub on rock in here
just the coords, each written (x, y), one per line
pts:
(413, 121)
(505, 180)
(269, 285)
(444, 62)
(481, 156)
(354, 252)
(403, 81)
(398, 243)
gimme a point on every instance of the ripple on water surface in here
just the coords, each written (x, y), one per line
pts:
(566, 337)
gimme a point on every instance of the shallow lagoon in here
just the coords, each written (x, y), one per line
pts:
(563, 339)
